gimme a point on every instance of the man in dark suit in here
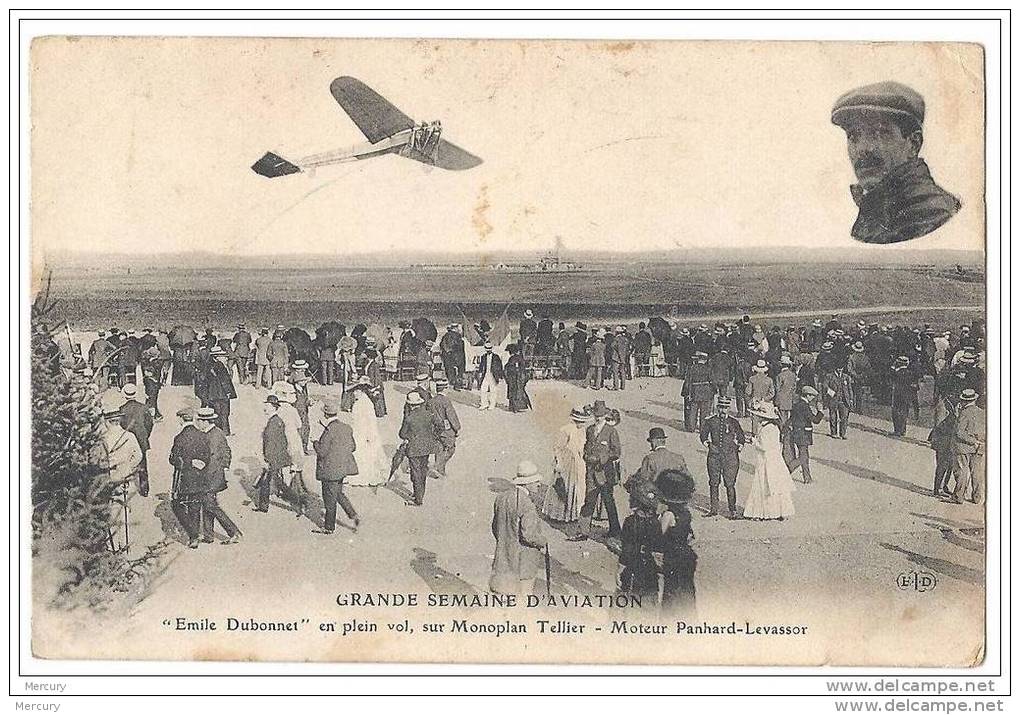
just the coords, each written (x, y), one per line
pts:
(334, 462)
(451, 349)
(601, 453)
(490, 375)
(275, 452)
(219, 387)
(619, 358)
(189, 456)
(803, 415)
(904, 394)
(242, 353)
(136, 419)
(442, 407)
(724, 437)
(419, 430)
(697, 392)
(544, 338)
(216, 478)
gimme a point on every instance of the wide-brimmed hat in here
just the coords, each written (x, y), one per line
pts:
(273, 400)
(206, 413)
(968, 395)
(674, 485)
(527, 473)
(786, 360)
(656, 433)
(761, 366)
(765, 410)
(599, 409)
(414, 398)
(579, 415)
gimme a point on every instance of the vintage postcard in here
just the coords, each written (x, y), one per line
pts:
(492, 351)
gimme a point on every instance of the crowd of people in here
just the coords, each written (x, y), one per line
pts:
(786, 381)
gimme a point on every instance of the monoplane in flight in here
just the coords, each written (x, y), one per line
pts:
(388, 130)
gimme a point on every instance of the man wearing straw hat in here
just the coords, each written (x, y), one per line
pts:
(969, 449)
(215, 478)
(904, 393)
(490, 374)
(334, 462)
(419, 430)
(601, 450)
(803, 415)
(520, 541)
(219, 387)
(442, 407)
(136, 419)
(189, 456)
(760, 388)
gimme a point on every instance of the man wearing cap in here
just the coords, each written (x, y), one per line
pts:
(275, 452)
(442, 407)
(803, 416)
(189, 456)
(969, 449)
(697, 393)
(658, 460)
(241, 346)
(418, 430)
(724, 437)
(601, 451)
(136, 419)
(334, 462)
(219, 387)
(520, 541)
(451, 350)
(215, 478)
(904, 394)
(490, 374)
(895, 194)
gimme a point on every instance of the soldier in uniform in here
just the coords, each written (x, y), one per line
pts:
(724, 437)
(442, 407)
(697, 393)
(896, 196)
(189, 456)
(803, 415)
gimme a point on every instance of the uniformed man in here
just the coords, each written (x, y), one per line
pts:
(724, 437)
(803, 416)
(136, 419)
(895, 194)
(697, 393)
(446, 435)
(658, 460)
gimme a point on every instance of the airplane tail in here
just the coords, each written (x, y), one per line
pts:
(272, 166)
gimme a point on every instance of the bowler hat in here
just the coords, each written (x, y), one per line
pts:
(527, 473)
(273, 400)
(656, 433)
(581, 326)
(890, 98)
(599, 409)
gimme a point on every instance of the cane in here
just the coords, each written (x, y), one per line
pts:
(548, 572)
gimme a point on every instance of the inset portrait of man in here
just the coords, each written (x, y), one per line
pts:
(896, 196)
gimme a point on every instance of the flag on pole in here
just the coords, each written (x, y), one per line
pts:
(471, 335)
(499, 336)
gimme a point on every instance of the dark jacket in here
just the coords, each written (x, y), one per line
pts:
(419, 430)
(601, 450)
(242, 344)
(218, 385)
(698, 385)
(801, 421)
(906, 204)
(135, 418)
(442, 407)
(496, 363)
(191, 443)
(274, 443)
(335, 453)
(219, 460)
(722, 433)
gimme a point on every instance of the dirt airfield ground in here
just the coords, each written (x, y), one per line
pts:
(834, 569)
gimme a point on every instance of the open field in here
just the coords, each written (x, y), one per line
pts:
(222, 296)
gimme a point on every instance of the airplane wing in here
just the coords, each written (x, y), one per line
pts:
(376, 118)
(454, 158)
(272, 166)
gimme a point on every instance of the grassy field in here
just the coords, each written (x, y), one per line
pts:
(221, 297)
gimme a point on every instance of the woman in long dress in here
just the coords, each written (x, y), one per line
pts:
(516, 372)
(564, 497)
(373, 465)
(772, 486)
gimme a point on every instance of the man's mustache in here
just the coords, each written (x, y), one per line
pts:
(868, 161)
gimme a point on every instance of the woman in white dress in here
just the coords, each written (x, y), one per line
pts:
(565, 495)
(373, 465)
(772, 486)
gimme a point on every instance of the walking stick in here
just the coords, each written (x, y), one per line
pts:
(548, 572)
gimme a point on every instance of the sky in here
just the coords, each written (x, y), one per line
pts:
(143, 145)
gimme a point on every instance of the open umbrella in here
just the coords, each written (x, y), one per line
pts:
(659, 329)
(182, 335)
(424, 329)
(379, 333)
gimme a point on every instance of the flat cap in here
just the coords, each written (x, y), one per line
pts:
(884, 97)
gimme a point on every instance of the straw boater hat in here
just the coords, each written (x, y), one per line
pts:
(786, 360)
(701, 356)
(765, 410)
(217, 351)
(129, 390)
(808, 391)
(527, 473)
(579, 415)
(760, 366)
(421, 377)
(968, 395)
(206, 414)
(365, 380)
(299, 365)
(902, 360)
(858, 347)
(413, 398)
